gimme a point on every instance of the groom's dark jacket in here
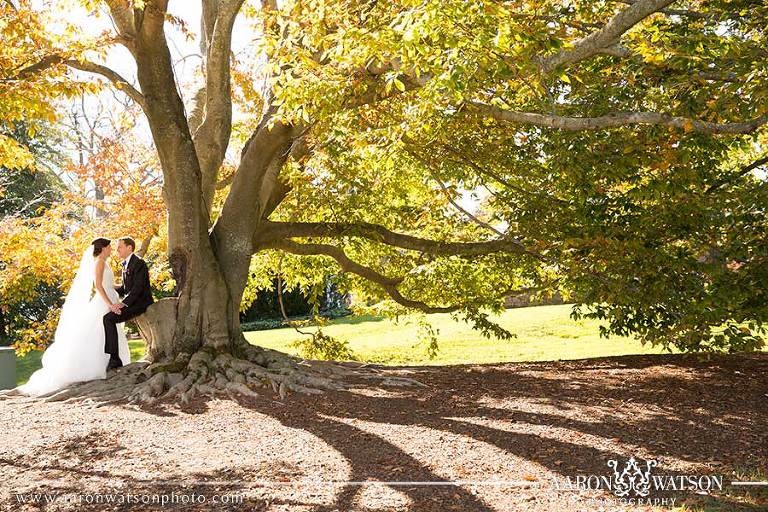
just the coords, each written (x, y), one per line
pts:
(135, 289)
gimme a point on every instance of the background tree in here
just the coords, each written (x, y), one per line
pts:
(616, 141)
(54, 206)
(30, 158)
(24, 194)
(38, 252)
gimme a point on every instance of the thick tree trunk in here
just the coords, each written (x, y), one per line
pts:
(263, 157)
(157, 326)
(202, 307)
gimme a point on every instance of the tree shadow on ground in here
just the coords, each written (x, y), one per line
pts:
(66, 467)
(675, 407)
(566, 418)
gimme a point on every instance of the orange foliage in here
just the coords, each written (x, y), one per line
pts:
(46, 249)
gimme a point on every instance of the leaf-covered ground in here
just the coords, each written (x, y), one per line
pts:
(521, 423)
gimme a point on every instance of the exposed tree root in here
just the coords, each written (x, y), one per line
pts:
(211, 373)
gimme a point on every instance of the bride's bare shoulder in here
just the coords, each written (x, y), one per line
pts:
(100, 265)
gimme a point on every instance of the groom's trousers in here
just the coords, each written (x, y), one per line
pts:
(110, 331)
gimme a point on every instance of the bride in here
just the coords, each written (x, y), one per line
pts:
(77, 352)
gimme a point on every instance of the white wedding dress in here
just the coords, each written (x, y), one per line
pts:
(77, 352)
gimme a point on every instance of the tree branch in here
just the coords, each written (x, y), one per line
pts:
(616, 120)
(608, 36)
(745, 170)
(144, 247)
(718, 77)
(43, 64)
(83, 65)
(429, 167)
(121, 12)
(716, 15)
(277, 190)
(376, 69)
(270, 231)
(388, 284)
(120, 82)
(212, 127)
(616, 50)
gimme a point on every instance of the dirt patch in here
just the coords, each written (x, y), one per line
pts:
(505, 432)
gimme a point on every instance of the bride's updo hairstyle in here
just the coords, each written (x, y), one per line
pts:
(99, 244)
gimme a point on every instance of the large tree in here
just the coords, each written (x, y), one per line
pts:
(616, 142)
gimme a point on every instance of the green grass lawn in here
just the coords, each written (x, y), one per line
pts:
(544, 333)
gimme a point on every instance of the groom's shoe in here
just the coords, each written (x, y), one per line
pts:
(114, 364)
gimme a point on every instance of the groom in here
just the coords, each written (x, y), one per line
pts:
(136, 296)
